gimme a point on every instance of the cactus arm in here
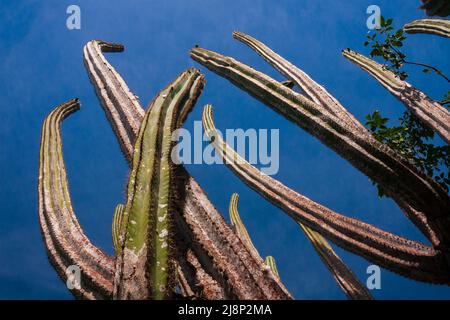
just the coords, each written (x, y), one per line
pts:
(120, 104)
(406, 257)
(310, 88)
(147, 221)
(217, 248)
(272, 265)
(437, 27)
(225, 257)
(421, 198)
(343, 275)
(430, 112)
(239, 226)
(65, 241)
(117, 232)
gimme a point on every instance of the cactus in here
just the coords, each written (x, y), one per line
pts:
(208, 260)
(421, 198)
(406, 257)
(345, 278)
(431, 26)
(436, 7)
(169, 234)
(430, 112)
(315, 110)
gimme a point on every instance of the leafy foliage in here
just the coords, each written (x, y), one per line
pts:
(411, 138)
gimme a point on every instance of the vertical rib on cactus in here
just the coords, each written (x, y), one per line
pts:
(310, 88)
(117, 231)
(239, 226)
(430, 112)
(272, 264)
(343, 275)
(226, 259)
(217, 248)
(408, 258)
(65, 241)
(421, 198)
(147, 218)
(119, 103)
(437, 27)
(436, 7)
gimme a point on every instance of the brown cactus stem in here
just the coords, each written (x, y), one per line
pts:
(405, 257)
(195, 214)
(343, 275)
(64, 238)
(224, 256)
(430, 112)
(437, 27)
(310, 88)
(421, 198)
(114, 93)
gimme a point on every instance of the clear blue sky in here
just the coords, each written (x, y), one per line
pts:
(41, 66)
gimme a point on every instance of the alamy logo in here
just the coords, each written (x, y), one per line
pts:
(374, 20)
(73, 274)
(250, 144)
(74, 20)
(374, 280)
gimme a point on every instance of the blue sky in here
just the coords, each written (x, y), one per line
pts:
(41, 66)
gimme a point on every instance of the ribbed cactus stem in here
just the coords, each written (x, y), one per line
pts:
(421, 198)
(120, 104)
(239, 226)
(430, 112)
(66, 243)
(217, 248)
(437, 27)
(147, 268)
(117, 231)
(408, 258)
(310, 88)
(343, 275)
(272, 265)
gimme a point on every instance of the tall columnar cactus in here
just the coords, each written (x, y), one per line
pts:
(209, 259)
(317, 112)
(144, 268)
(169, 234)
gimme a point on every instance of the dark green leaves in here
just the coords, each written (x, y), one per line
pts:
(415, 142)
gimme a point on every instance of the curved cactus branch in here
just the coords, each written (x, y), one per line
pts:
(421, 198)
(114, 94)
(310, 88)
(437, 27)
(408, 258)
(430, 112)
(64, 239)
(216, 247)
(436, 7)
(239, 226)
(343, 275)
